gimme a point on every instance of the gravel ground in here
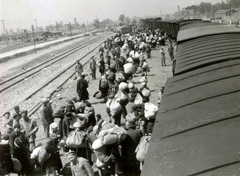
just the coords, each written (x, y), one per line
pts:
(156, 78)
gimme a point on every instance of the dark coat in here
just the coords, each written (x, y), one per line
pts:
(18, 148)
(101, 66)
(104, 91)
(129, 161)
(82, 86)
(46, 114)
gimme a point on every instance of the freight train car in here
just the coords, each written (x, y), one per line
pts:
(171, 27)
(197, 128)
(126, 29)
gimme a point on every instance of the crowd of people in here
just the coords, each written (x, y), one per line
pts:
(115, 145)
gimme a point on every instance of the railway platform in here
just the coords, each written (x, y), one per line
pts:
(157, 77)
(30, 49)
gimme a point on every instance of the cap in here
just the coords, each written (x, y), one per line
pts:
(71, 151)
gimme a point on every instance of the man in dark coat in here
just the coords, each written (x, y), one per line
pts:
(18, 150)
(101, 65)
(46, 115)
(131, 166)
(82, 86)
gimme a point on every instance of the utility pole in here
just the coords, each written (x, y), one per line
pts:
(70, 29)
(36, 25)
(56, 26)
(188, 13)
(34, 39)
(5, 34)
(87, 26)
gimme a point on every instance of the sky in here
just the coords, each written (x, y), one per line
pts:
(22, 13)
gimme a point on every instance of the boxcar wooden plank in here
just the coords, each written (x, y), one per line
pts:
(208, 47)
(205, 61)
(201, 92)
(204, 70)
(196, 115)
(204, 31)
(206, 39)
(195, 151)
(201, 78)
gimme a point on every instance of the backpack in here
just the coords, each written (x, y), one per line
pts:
(76, 139)
(104, 83)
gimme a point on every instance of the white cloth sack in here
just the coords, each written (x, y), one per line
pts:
(150, 110)
(129, 68)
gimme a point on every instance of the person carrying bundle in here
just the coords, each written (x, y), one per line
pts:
(78, 141)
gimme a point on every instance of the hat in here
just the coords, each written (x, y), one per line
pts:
(44, 100)
(71, 151)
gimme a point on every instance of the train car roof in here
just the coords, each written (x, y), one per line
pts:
(191, 33)
(207, 50)
(197, 127)
(196, 24)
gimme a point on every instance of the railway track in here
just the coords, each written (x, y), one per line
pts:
(61, 77)
(6, 84)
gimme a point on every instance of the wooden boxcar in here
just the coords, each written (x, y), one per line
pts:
(197, 128)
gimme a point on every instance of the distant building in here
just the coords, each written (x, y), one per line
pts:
(220, 14)
(49, 34)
